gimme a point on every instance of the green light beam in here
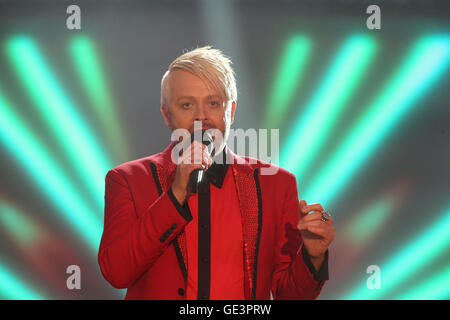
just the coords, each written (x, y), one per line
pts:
(370, 220)
(87, 64)
(17, 224)
(313, 126)
(12, 288)
(421, 69)
(48, 176)
(409, 260)
(435, 288)
(61, 116)
(289, 74)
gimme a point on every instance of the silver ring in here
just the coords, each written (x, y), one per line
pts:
(325, 215)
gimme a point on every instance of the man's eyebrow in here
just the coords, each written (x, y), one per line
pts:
(185, 97)
(212, 96)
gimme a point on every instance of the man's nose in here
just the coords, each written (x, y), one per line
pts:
(200, 114)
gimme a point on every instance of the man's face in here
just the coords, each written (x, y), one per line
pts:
(190, 99)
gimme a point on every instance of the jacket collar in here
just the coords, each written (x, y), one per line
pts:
(216, 173)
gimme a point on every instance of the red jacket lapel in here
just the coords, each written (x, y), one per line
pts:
(249, 194)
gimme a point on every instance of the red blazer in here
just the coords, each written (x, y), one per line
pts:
(143, 242)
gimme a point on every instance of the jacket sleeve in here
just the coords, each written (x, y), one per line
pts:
(293, 274)
(131, 244)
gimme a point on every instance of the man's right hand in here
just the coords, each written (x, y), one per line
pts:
(196, 151)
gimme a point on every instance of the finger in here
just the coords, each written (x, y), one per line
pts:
(320, 225)
(195, 155)
(315, 223)
(323, 231)
(189, 158)
(305, 225)
(189, 169)
(302, 204)
(311, 207)
(185, 158)
(198, 154)
(197, 145)
(316, 215)
(207, 159)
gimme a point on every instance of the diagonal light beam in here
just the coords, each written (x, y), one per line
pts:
(11, 287)
(61, 116)
(289, 74)
(17, 224)
(313, 126)
(371, 219)
(409, 260)
(423, 66)
(48, 176)
(436, 287)
(88, 66)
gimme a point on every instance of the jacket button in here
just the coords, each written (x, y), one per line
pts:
(174, 226)
(181, 291)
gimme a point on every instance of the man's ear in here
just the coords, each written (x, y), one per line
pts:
(233, 109)
(165, 115)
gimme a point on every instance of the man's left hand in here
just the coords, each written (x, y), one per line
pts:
(316, 233)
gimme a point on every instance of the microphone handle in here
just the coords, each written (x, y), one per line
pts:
(194, 179)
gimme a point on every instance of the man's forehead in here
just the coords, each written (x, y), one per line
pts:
(185, 83)
(210, 96)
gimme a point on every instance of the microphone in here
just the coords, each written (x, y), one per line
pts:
(197, 175)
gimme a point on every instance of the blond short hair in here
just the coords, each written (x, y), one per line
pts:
(207, 63)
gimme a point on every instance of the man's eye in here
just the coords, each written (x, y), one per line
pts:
(214, 103)
(186, 105)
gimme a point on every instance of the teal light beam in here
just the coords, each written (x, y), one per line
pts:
(409, 260)
(12, 288)
(61, 116)
(370, 220)
(436, 287)
(423, 66)
(313, 126)
(288, 77)
(87, 64)
(47, 175)
(17, 224)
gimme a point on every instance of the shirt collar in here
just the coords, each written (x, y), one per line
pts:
(216, 173)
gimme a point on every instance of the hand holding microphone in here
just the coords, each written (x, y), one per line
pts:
(191, 164)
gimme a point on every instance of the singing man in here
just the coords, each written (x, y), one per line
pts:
(238, 234)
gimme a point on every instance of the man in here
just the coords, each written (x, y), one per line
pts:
(238, 236)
